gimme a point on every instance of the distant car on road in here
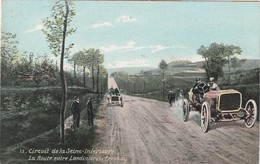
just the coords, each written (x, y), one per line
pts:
(114, 97)
(221, 105)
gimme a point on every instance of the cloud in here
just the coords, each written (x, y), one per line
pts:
(131, 46)
(103, 24)
(126, 19)
(38, 27)
(111, 48)
(123, 19)
(157, 48)
(192, 58)
(129, 63)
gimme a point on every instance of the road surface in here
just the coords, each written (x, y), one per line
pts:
(112, 83)
(147, 131)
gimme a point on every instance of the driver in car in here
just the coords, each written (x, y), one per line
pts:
(195, 87)
(198, 90)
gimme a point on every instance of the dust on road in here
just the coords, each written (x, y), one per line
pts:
(147, 131)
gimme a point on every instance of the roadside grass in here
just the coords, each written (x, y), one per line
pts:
(36, 126)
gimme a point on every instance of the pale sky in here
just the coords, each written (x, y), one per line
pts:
(134, 33)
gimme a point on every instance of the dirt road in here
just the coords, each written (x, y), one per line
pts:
(148, 131)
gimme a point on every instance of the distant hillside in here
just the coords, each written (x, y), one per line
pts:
(185, 63)
(183, 68)
(130, 70)
(248, 65)
(180, 68)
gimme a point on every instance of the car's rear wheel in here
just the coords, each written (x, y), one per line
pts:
(251, 113)
(205, 116)
(186, 110)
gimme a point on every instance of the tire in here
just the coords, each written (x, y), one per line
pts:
(205, 117)
(251, 113)
(186, 110)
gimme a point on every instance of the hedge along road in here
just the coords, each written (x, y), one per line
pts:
(148, 131)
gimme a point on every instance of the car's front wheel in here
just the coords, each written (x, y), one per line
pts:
(251, 113)
(205, 116)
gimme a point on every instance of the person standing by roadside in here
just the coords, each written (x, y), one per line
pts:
(171, 97)
(75, 109)
(90, 112)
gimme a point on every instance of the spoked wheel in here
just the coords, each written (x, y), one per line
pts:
(251, 113)
(205, 117)
(186, 110)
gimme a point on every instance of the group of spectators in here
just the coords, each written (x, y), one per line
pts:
(75, 110)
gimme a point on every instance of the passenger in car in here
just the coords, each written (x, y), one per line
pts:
(213, 85)
(112, 91)
(117, 91)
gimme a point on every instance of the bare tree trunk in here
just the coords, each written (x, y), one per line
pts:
(144, 89)
(134, 87)
(84, 76)
(163, 85)
(93, 78)
(74, 68)
(229, 71)
(163, 90)
(207, 68)
(63, 79)
(98, 79)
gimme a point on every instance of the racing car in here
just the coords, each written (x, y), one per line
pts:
(114, 97)
(220, 105)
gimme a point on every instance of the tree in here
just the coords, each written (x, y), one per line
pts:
(83, 61)
(56, 31)
(163, 67)
(230, 51)
(236, 62)
(8, 46)
(100, 60)
(9, 52)
(214, 57)
(75, 59)
(95, 58)
(103, 75)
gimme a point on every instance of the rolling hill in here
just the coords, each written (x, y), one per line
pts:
(184, 72)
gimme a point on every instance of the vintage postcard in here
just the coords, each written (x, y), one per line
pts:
(129, 82)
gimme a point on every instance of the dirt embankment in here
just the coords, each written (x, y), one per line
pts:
(149, 131)
(30, 121)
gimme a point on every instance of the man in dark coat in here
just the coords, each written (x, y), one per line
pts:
(75, 109)
(171, 97)
(198, 91)
(90, 111)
